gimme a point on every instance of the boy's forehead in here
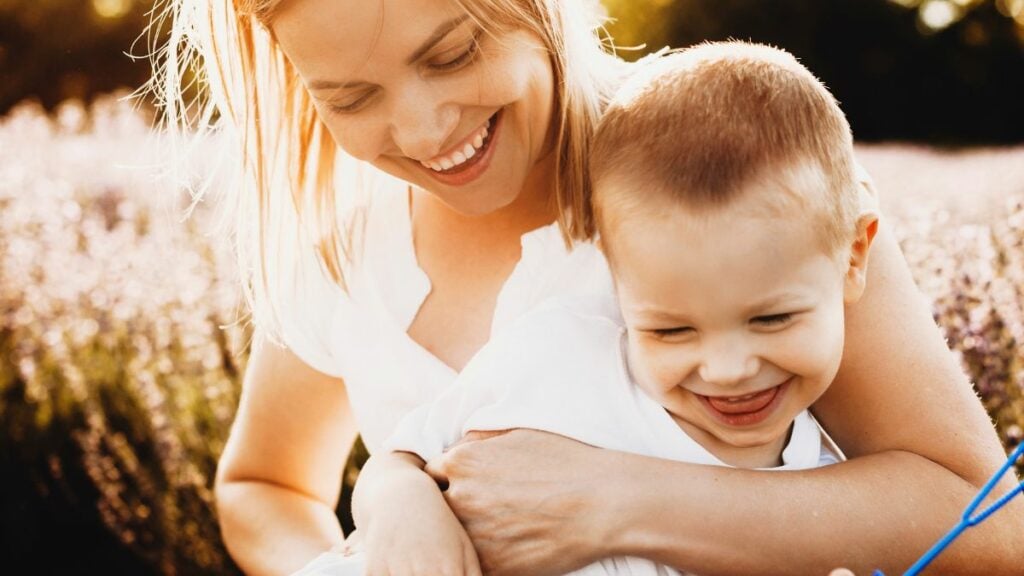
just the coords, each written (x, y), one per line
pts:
(794, 193)
(739, 241)
(725, 264)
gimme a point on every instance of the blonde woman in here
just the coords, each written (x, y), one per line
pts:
(412, 172)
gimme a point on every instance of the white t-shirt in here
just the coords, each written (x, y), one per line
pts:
(362, 336)
(563, 368)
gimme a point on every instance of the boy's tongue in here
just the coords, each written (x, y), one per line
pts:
(735, 405)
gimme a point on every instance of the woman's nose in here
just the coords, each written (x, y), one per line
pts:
(422, 123)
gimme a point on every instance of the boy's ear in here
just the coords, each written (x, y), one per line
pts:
(857, 271)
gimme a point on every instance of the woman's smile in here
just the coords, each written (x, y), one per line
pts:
(468, 160)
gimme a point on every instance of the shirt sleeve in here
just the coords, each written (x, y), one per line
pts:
(431, 428)
(308, 305)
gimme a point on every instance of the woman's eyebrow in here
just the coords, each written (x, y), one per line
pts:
(437, 36)
(439, 33)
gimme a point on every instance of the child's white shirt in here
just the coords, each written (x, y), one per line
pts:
(562, 368)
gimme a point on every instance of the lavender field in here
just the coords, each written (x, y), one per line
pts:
(121, 345)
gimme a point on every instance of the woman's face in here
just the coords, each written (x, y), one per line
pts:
(417, 89)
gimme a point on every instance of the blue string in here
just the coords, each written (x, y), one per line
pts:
(967, 520)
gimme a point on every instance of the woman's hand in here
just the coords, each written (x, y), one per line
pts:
(525, 499)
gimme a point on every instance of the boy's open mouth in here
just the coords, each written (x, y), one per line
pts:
(745, 410)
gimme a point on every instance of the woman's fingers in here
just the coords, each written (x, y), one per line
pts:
(475, 435)
(456, 457)
(438, 469)
(522, 498)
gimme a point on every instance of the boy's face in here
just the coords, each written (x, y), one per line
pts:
(734, 316)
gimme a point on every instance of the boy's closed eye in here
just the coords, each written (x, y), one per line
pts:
(773, 320)
(672, 332)
(764, 320)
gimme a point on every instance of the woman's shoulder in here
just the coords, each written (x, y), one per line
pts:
(549, 268)
(309, 299)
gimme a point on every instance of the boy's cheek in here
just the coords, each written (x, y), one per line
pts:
(814, 349)
(663, 367)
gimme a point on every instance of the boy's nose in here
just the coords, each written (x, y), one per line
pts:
(728, 367)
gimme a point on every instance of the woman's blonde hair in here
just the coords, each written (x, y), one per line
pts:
(251, 95)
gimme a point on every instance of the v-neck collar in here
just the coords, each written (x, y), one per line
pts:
(404, 286)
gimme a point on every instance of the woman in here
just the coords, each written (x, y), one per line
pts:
(482, 110)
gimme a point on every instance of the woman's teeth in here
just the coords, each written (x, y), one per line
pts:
(460, 155)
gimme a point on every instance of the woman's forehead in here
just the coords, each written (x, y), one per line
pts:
(337, 40)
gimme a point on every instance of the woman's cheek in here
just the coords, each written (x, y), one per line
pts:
(346, 134)
(361, 135)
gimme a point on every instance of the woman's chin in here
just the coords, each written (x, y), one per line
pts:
(475, 206)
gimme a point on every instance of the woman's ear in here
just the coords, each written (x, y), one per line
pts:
(857, 270)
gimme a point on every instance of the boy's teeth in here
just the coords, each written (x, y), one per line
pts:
(741, 398)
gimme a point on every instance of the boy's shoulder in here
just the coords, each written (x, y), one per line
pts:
(555, 330)
(565, 315)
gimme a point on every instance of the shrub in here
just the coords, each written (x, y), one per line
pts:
(121, 353)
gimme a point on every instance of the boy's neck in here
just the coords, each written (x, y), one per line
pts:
(766, 456)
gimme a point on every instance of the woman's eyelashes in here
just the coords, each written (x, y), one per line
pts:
(464, 57)
(444, 63)
(353, 105)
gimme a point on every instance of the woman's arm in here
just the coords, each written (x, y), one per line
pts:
(920, 442)
(280, 475)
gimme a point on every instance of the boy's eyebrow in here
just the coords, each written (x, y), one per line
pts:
(439, 33)
(654, 314)
(775, 300)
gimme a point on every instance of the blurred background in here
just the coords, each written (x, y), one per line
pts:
(120, 349)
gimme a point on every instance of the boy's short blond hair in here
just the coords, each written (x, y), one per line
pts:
(696, 126)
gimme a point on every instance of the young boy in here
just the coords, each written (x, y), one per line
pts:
(730, 213)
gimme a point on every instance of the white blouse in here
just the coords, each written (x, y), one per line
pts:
(362, 336)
